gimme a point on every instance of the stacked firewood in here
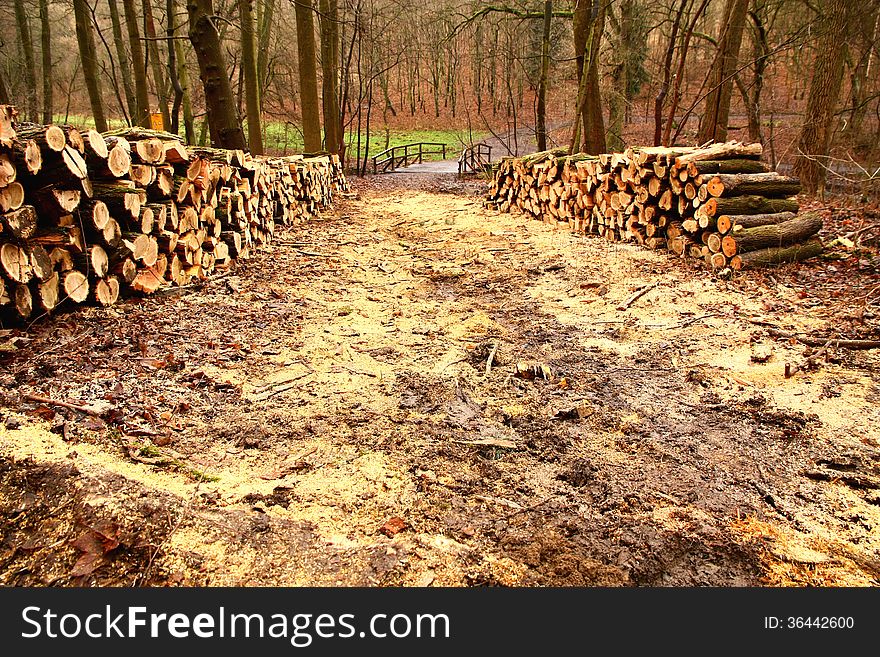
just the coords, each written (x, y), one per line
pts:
(718, 203)
(86, 216)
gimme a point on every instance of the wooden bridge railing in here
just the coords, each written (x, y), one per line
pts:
(401, 156)
(474, 158)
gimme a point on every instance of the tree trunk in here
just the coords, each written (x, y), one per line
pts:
(189, 129)
(588, 25)
(27, 47)
(264, 24)
(223, 120)
(618, 98)
(156, 63)
(861, 74)
(4, 94)
(541, 128)
(122, 58)
(142, 95)
(251, 83)
(713, 126)
(815, 136)
(170, 28)
(86, 41)
(329, 75)
(46, 48)
(308, 76)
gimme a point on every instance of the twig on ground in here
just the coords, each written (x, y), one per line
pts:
(638, 294)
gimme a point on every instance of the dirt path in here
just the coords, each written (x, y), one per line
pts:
(273, 427)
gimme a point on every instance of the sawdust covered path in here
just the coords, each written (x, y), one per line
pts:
(344, 411)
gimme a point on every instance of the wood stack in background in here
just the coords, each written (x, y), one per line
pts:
(718, 203)
(91, 216)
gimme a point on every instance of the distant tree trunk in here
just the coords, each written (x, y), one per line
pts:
(30, 72)
(179, 78)
(122, 58)
(815, 135)
(713, 126)
(189, 129)
(620, 74)
(142, 94)
(330, 75)
(589, 21)
(46, 52)
(223, 119)
(249, 71)
(541, 128)
(760, 57)
(667, 75)
(680, 74)
(308, 75)
(156, 62)
(86, 40)
(4, 94)
(170, 28)
(265, 27)
(868, 31)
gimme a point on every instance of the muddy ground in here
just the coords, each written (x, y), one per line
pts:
(419, 391)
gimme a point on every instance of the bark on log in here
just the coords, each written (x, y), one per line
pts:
(727, 221)
(789, 232)
(728, 150)
(21, 223)
(746, 205)
(776, 256)
(730, 166)
(769, 185)
(40, 262)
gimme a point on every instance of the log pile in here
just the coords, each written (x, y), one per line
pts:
(718, 203)
(88, 217)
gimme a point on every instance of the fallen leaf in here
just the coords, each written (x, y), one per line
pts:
(86, 564)
(393, 526)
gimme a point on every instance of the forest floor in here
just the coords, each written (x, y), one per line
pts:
(415, 390)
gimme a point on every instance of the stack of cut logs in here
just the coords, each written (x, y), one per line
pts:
(718, 203)
(86, 216)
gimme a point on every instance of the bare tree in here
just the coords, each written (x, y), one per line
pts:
(589, 22)
(329, 21)
(46, 53)
(308, 75)
(122, 58)
(142, 93)
(713, 126)
(180, 78)
(541, 128)
(156, 62)
(265, 15)
(249, 69)
(27, 46)
(815, 136)
(223, 120)
(86, 41)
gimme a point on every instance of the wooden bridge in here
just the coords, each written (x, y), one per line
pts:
(475, 158)
(402, 156)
